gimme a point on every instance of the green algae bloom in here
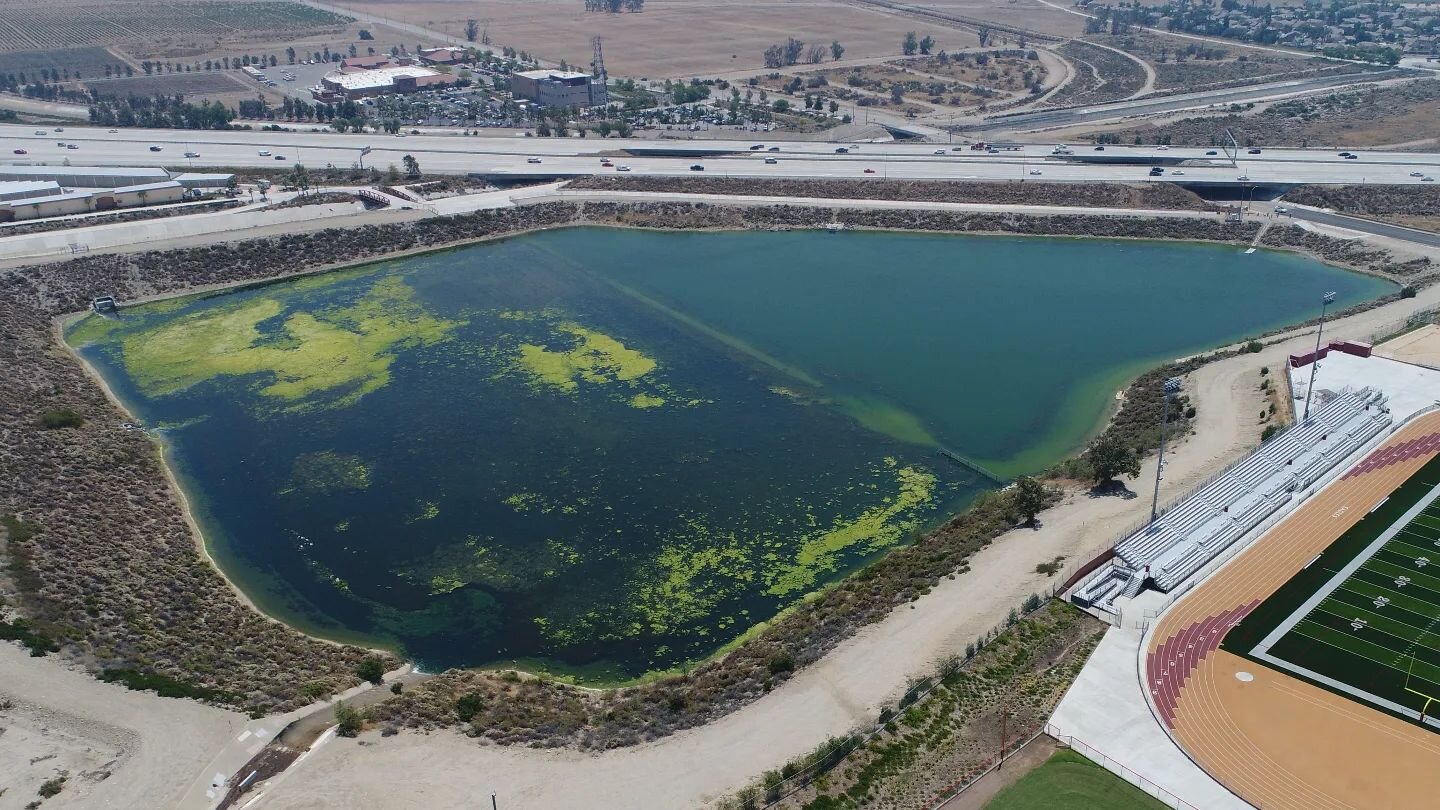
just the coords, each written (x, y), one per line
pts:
(876, 528)
(592, 357)
(328, 472)
(346, 350)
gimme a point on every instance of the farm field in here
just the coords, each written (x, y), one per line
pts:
(35, 25)
(684, 38)
(192, 85)
(1071, 781)
(76, 62)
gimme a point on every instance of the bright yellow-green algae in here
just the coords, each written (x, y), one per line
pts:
(327, 471)
(573, 356)
(348, 348)
(876, 528)
(425, 510)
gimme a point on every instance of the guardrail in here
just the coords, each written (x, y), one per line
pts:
(1109, 763)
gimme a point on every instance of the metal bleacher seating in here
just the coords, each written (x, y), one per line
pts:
(1195, 530)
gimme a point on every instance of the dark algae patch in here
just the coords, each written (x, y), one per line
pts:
(611, 452)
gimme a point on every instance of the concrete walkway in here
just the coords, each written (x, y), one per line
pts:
(1106, 711)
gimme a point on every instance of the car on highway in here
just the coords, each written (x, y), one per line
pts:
(21, 152)
(606, 162)
(59, 129)
(192, 154)
(72, 146)
(1211, 153)
(1244, 178)
(1097, 149)
(60, 144)
(533, 160)
(771, 160)
(1417, 174)
(1344, 154)
(279, 157)
(263, 153)
(113, 131)
(757, 147)
(41, 132)
(1178, 173)
(1427, 179)
(622, 168)
(1156, 171)
(1254, 152)
(1352, 156)
(1036, 172)
(840, 150)
(939, 152)
(154, 147)
(773, 149)
(696, 167)
(869, 171)
(1163, 148)
(1280, 209)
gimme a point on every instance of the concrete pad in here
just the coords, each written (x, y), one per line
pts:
(1106, 711)
(1410, 387)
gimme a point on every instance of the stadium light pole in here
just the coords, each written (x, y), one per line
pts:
(1325, 302)
(1172, 384)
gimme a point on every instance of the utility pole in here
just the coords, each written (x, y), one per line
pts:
(492, 801)
(1172, 384)
(1004, 716)
(1325, 302)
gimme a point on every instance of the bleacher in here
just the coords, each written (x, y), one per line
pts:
(1197, 529)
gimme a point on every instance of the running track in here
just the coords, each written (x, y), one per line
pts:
(1275, 741)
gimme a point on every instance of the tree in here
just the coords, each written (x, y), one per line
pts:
(289, 56)
(781, 105)
(472, 29)
(775, 56)
(1109, 457)
(366, 36)
(909, 44)
(984, 33)
(468, 706)
(836, 50)
(926, 44)
(793, 49)
(897, 94)
(412, 166)
(348, 721)
(815, 54)
(1029, 498)
(371, 668)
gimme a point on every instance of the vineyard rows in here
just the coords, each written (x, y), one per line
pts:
(66, 25)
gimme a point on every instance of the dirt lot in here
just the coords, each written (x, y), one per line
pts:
(682, 38)
(1401, 114)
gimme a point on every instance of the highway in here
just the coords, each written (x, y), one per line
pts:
(566, 157)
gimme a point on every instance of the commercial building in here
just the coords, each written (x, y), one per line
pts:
(22, 189)
(83, 202)
(85, 176)
(442, 56)
(380, 81)
(199, 180)
(559, 88)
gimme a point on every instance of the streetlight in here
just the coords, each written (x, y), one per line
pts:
(1172, 384)
(1325, 302)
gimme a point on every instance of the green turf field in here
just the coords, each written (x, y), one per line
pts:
(1068, 780)
(1376, 635)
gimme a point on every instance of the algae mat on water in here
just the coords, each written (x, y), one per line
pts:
(555, 449)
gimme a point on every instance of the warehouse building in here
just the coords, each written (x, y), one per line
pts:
(559, 88)
(381, 81)
(61, 202)
(85, 176)
(22, 189)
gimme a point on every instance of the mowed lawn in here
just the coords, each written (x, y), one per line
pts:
(1070, 781)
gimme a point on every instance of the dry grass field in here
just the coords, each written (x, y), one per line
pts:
(683, 38)
(216, 86)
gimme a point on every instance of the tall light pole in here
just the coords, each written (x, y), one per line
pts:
(1172, 384)
(1325, 302)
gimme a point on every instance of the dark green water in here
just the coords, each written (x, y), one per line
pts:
(608, 452)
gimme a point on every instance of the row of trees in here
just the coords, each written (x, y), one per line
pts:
(165, 112)
(910, 44)
(792, 51)
(615, 6)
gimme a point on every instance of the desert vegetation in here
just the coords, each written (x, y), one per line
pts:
(101, 563)
(1416, 206)
(1101, 75)
(1089, 195)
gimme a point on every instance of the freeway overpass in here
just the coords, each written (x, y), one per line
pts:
(512, 157)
